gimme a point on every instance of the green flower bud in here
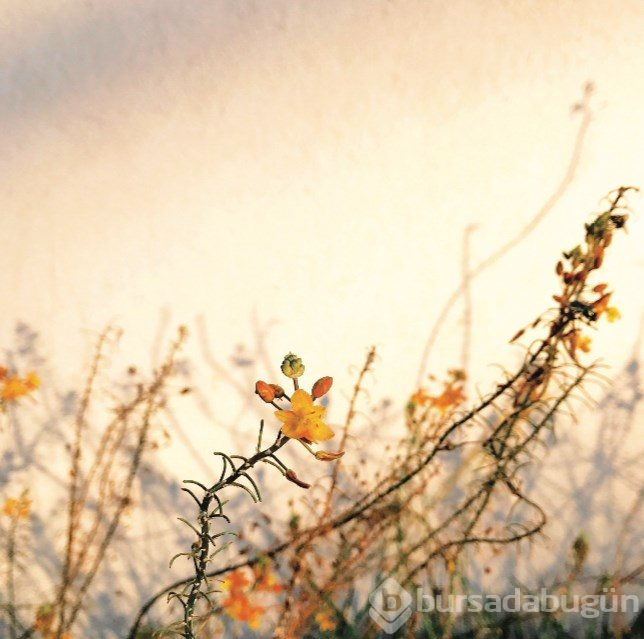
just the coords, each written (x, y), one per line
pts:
(292, 366)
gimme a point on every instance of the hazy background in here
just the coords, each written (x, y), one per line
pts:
(305, 172)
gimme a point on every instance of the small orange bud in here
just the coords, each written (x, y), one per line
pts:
(559, 268)
(321, 387)
(279, 391)
(601, 303)
(265, 391)
(323, 455)
(291, 476)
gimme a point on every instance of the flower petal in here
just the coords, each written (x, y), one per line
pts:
(284, 415)
(301, 401)
(318, 431)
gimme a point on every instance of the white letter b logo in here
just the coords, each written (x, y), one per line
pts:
(390, 605)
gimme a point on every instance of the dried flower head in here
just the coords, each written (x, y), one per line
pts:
(292, 366)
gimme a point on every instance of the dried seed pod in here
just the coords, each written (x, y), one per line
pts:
(323, 455)
(291, 476)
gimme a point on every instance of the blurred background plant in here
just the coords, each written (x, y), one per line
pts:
(448, 493)
(314, 176)
(101, 480)
(435, 508)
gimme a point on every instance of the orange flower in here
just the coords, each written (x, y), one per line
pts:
(18, 508)
(44, 619)
(44, 622)
(419, 398)
(265, 579)
(236, 581)
(451, 396)
(14, 387)
(305, 419)
(581, 342)
(32, 381)
(237, 606)
(324, 620)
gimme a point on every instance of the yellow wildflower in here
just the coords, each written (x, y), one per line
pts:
(236, 581)
(419, 398)
(32, 381)
(582, 342)
(14, 387)
(612, 314)
(18, 508)
(451, 396)
(239, 607)
(305, 419)
(265, 579)
(324, 620)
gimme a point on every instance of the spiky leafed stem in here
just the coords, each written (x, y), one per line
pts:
(205, 540)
